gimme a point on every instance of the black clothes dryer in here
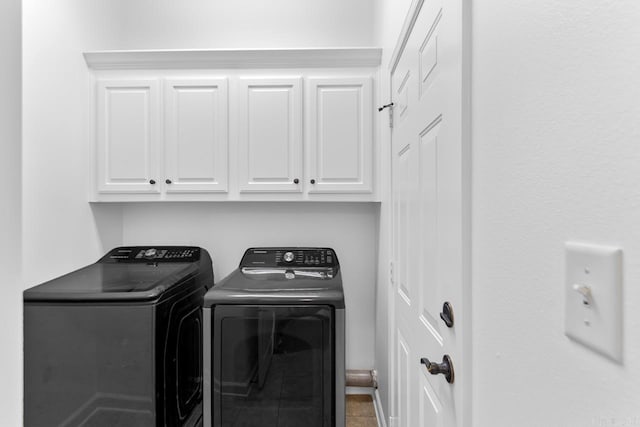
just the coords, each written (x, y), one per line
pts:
(119, 342)
(274, 342)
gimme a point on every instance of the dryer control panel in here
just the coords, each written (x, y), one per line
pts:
(289, 257)
(153, 254)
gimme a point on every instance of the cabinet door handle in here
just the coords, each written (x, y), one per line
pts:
(295, 181)
(313, 181)
(152, 181)
(168, 181)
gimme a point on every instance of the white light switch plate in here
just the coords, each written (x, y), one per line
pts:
(593, 297)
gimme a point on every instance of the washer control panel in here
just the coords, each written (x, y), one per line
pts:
(289, 257)
(153, 254)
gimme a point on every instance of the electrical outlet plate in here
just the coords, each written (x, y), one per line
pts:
(593, 297)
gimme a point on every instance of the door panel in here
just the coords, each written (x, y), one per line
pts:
(430, 405)
(428, 53)
(126, 125)
(404, 225)
(270, 145)
(430, 292)
(404, 404)
(196, 135)
(401, 84)
(430, 191)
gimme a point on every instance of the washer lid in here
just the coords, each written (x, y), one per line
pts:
(113, 282)
(276, 289)
(277, 274)
(282, 276)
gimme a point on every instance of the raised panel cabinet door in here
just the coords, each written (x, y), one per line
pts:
(340, 136)
(270, 134)
(127, 147)
(196, 135)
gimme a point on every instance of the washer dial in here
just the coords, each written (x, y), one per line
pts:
(150, 253)
(288, 256)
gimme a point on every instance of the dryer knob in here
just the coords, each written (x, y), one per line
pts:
(150, 253)
(288, 256)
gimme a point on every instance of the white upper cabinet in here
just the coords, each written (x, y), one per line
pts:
(196, 135)
(127, 119)
(218, 125)
(270, 134)
(340, 135)
(154, 145)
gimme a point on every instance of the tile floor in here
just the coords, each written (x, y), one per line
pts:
(360, 411)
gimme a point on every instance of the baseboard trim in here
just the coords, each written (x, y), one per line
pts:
(359, 390)
(360, 378)
(377, 405)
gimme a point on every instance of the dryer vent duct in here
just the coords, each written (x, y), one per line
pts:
(362, 378)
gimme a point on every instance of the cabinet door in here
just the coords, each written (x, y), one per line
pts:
(270, 134)
(127, 156)
(196, 129)
(340, 155)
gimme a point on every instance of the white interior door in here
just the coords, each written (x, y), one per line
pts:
(431, 217)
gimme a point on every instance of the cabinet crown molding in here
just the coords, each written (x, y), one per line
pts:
(234, 58)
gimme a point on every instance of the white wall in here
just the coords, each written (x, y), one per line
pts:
(61, 231)
(10, 175)
(245, 24)
(226, 230)
(556, 134)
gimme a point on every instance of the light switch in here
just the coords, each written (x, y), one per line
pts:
(593, 297)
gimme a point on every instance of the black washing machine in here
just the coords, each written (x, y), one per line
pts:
(274, 342)
(119, 342)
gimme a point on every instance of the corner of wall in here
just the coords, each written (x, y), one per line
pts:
(11, 212)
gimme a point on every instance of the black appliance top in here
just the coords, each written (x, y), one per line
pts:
(282, 276)
(149, 254)
(133, 273)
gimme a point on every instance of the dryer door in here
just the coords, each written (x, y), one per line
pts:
(273, 365)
